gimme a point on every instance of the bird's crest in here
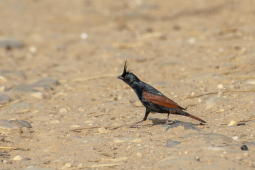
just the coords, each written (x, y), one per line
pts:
(125, 71)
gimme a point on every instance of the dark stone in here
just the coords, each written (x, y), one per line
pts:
(10, 43)
(4, 99)
(244, 147)
(240, 124)
(170, 143)
(21, 123)
(46, 84)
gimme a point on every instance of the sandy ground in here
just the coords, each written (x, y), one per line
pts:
(63, 81)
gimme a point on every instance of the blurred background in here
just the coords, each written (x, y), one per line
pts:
(59, 61)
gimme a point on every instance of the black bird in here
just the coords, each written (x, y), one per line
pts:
(151, 98)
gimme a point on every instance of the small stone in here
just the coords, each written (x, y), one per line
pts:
(32, 49)
(4, 99)
(75, 126)
(63, 110)
(170, 143)
(235, 137)
(222, 111)
(84, 36)
(251, 82)
(2, 88)
(244, 147)
(192, 94)
(137, 104)
(192, 40)
(17, 158)
(232, 123)
(67, 165)
(199, 100)
(220, 94)
(220, 86)
(102, 130)
(46, 162)
(240, 124)
(139, 154)
(38, 95)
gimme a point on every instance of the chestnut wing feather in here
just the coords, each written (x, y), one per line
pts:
(160, 100)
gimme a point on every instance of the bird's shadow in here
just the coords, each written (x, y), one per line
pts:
(174, 124)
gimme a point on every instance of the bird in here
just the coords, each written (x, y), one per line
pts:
(153, 100)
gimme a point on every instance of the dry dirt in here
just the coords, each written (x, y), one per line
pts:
(199, 53)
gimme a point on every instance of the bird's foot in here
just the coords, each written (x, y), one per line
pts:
(171, 122)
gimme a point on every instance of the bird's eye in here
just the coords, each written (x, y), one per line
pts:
(126, 77)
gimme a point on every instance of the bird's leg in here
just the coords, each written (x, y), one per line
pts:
(144, 119)
(167, 123)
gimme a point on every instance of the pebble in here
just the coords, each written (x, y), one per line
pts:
(63, 110)
(4, 99)
(220, 86)
(139, 154)
(192, 40)
(232, 123)
(38, 95)
(84, 36)
(244, 147)
(251, 82)
(186, 125)
(2, 88)
(6, 128)
(17, 158)
(102, 130)
(170, 143)
(235, 137)
(32, 49)
(215, 102)
(67, 165)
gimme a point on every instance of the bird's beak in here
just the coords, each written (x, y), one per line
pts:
(120, 77)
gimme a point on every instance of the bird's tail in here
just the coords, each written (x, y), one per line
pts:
(181, 112)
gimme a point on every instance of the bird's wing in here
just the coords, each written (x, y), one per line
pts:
(153, 95)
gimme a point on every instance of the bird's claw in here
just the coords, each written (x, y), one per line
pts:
(171, 122)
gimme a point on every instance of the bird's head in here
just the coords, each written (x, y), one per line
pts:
(128, 77)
